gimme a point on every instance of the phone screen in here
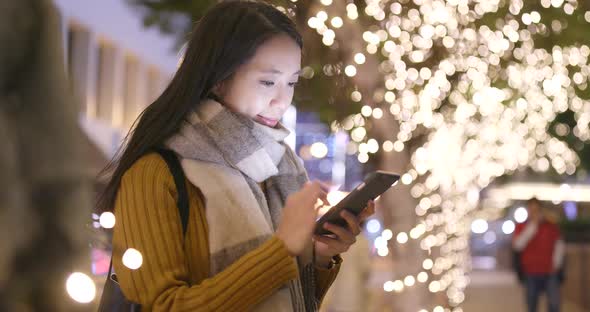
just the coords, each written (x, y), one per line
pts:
(375, 184)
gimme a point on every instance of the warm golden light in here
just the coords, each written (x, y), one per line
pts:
(80, 287)
(107, 220)
(132, 259)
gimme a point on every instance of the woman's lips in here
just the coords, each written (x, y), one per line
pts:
(267, 121)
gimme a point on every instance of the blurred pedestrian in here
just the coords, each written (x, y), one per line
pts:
(45, 187)
(542, 250)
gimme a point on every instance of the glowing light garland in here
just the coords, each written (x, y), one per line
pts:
(485, 97)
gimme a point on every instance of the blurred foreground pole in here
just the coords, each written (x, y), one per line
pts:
(44, 189)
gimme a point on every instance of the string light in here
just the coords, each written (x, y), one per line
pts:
(388, 286)
(80, 287)
(387, 234)
(398, 286)
(520, 214)
(319, 150)
(479, 226)
(359, 58)
(508, 227)
(132, 259)
(377, 113)
(107, 220)
(366, 110)
(422, 277)
(409, 281)
(351, 11)
(387, 146)
(383, 252)
(427, 264)
(398, 146)
(356, 96)
(434, 286)
(476, 130)
(337, 22)
(373, 226)
(350, 71)
(402, 238)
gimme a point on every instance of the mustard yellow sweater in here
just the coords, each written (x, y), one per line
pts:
(174, 275)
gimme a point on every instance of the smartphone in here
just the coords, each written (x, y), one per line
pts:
(374, 184)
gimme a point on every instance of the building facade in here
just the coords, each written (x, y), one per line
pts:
(116, 66)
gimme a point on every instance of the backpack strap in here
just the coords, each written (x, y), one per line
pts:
(176, 170)
(182, 202)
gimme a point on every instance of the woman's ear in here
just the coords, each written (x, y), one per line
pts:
(219, 89)
(217, 93)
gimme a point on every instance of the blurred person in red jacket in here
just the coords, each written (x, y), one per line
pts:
(542, 250)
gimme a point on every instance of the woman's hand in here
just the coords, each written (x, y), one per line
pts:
(299, 216)
(328, 246)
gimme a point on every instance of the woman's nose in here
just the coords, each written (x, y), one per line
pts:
(282, 98)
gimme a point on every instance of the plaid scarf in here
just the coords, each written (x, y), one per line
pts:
(227, 156)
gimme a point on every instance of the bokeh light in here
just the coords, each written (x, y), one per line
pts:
(107, 220)
(520, 214)
(479, 226)
(81, 287)
(132, 259)
(508, 227)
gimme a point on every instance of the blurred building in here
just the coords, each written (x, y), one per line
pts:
(116, 66)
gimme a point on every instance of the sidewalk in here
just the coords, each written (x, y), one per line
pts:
(493, 291)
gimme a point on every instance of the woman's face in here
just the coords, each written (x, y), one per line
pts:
(262, 88)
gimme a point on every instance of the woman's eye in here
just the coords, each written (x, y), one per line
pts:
(292, 84)
(267, 83)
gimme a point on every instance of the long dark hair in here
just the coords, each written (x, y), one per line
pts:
(226, 37)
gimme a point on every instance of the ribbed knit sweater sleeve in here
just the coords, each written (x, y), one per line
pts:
(147, 220)
(325, 278)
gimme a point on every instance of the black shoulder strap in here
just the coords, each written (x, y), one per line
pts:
(182, 203)
(176, 170)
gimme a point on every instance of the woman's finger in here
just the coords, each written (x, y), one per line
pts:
(325, 186)
(367, 212)
(324, 197)
(335, 245)
(352, 221)
(343, 234)
(319, 192)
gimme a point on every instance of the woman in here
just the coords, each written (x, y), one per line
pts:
(248, 244)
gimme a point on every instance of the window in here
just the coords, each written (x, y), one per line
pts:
(70, 51)
(105, 81)
(78, 44)
(131, 90)
(153, 84)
